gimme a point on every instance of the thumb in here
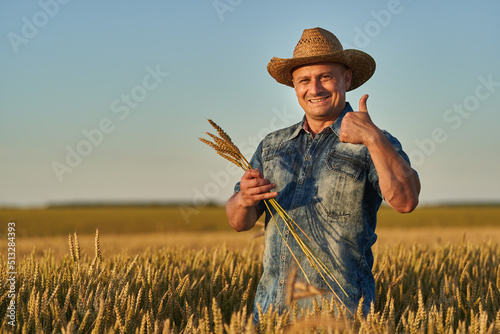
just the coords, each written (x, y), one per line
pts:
(362, 103)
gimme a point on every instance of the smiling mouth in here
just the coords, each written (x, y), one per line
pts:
(318, 100)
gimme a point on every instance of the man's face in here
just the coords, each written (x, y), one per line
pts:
(321, 88)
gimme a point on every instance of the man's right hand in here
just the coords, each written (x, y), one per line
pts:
(241, 208)
(254, 188)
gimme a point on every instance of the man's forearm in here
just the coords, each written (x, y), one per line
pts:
(398, 182)
(241, 218)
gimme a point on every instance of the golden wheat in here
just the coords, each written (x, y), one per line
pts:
(71, 247)
(98, 254)
(448, 289)
(76, 248)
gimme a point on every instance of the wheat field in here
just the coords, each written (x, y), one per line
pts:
(448, 289)
(445, 280)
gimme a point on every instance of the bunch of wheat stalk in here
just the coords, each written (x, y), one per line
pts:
(225, 147)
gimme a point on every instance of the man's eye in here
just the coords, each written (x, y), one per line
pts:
(326, 77)
(303, 80)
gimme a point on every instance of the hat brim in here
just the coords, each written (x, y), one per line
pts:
(361, 64)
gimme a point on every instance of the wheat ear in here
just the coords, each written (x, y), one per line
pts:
(71, 247)
(77, 247)
(98, 246)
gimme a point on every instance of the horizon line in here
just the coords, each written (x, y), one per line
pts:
(181, 203)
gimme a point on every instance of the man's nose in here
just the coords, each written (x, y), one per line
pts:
(316, 87)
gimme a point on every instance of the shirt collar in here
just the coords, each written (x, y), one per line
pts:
(335, 127)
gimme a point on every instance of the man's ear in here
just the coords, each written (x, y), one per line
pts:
(291, 74)
(347, 78)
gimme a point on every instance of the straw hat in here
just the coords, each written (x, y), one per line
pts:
(319, 45)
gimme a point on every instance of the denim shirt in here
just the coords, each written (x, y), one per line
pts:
(330, 189)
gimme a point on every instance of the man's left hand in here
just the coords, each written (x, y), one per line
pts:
(357, 127)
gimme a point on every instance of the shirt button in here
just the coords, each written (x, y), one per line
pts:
(282, 281)
(283, 257)
(308, 158)
(286, 232)
(300, 181)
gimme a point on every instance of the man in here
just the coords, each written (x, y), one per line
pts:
(330, 173)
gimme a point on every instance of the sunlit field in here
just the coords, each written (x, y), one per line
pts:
(135, 229)
(173, 270)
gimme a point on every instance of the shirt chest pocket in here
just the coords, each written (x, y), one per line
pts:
(278, 165)
(276, 151)
(342, 185)
(349, 160)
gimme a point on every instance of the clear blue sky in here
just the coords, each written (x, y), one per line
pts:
(147, 75)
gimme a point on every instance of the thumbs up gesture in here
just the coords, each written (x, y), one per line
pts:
(357, 127)
(362, 103)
